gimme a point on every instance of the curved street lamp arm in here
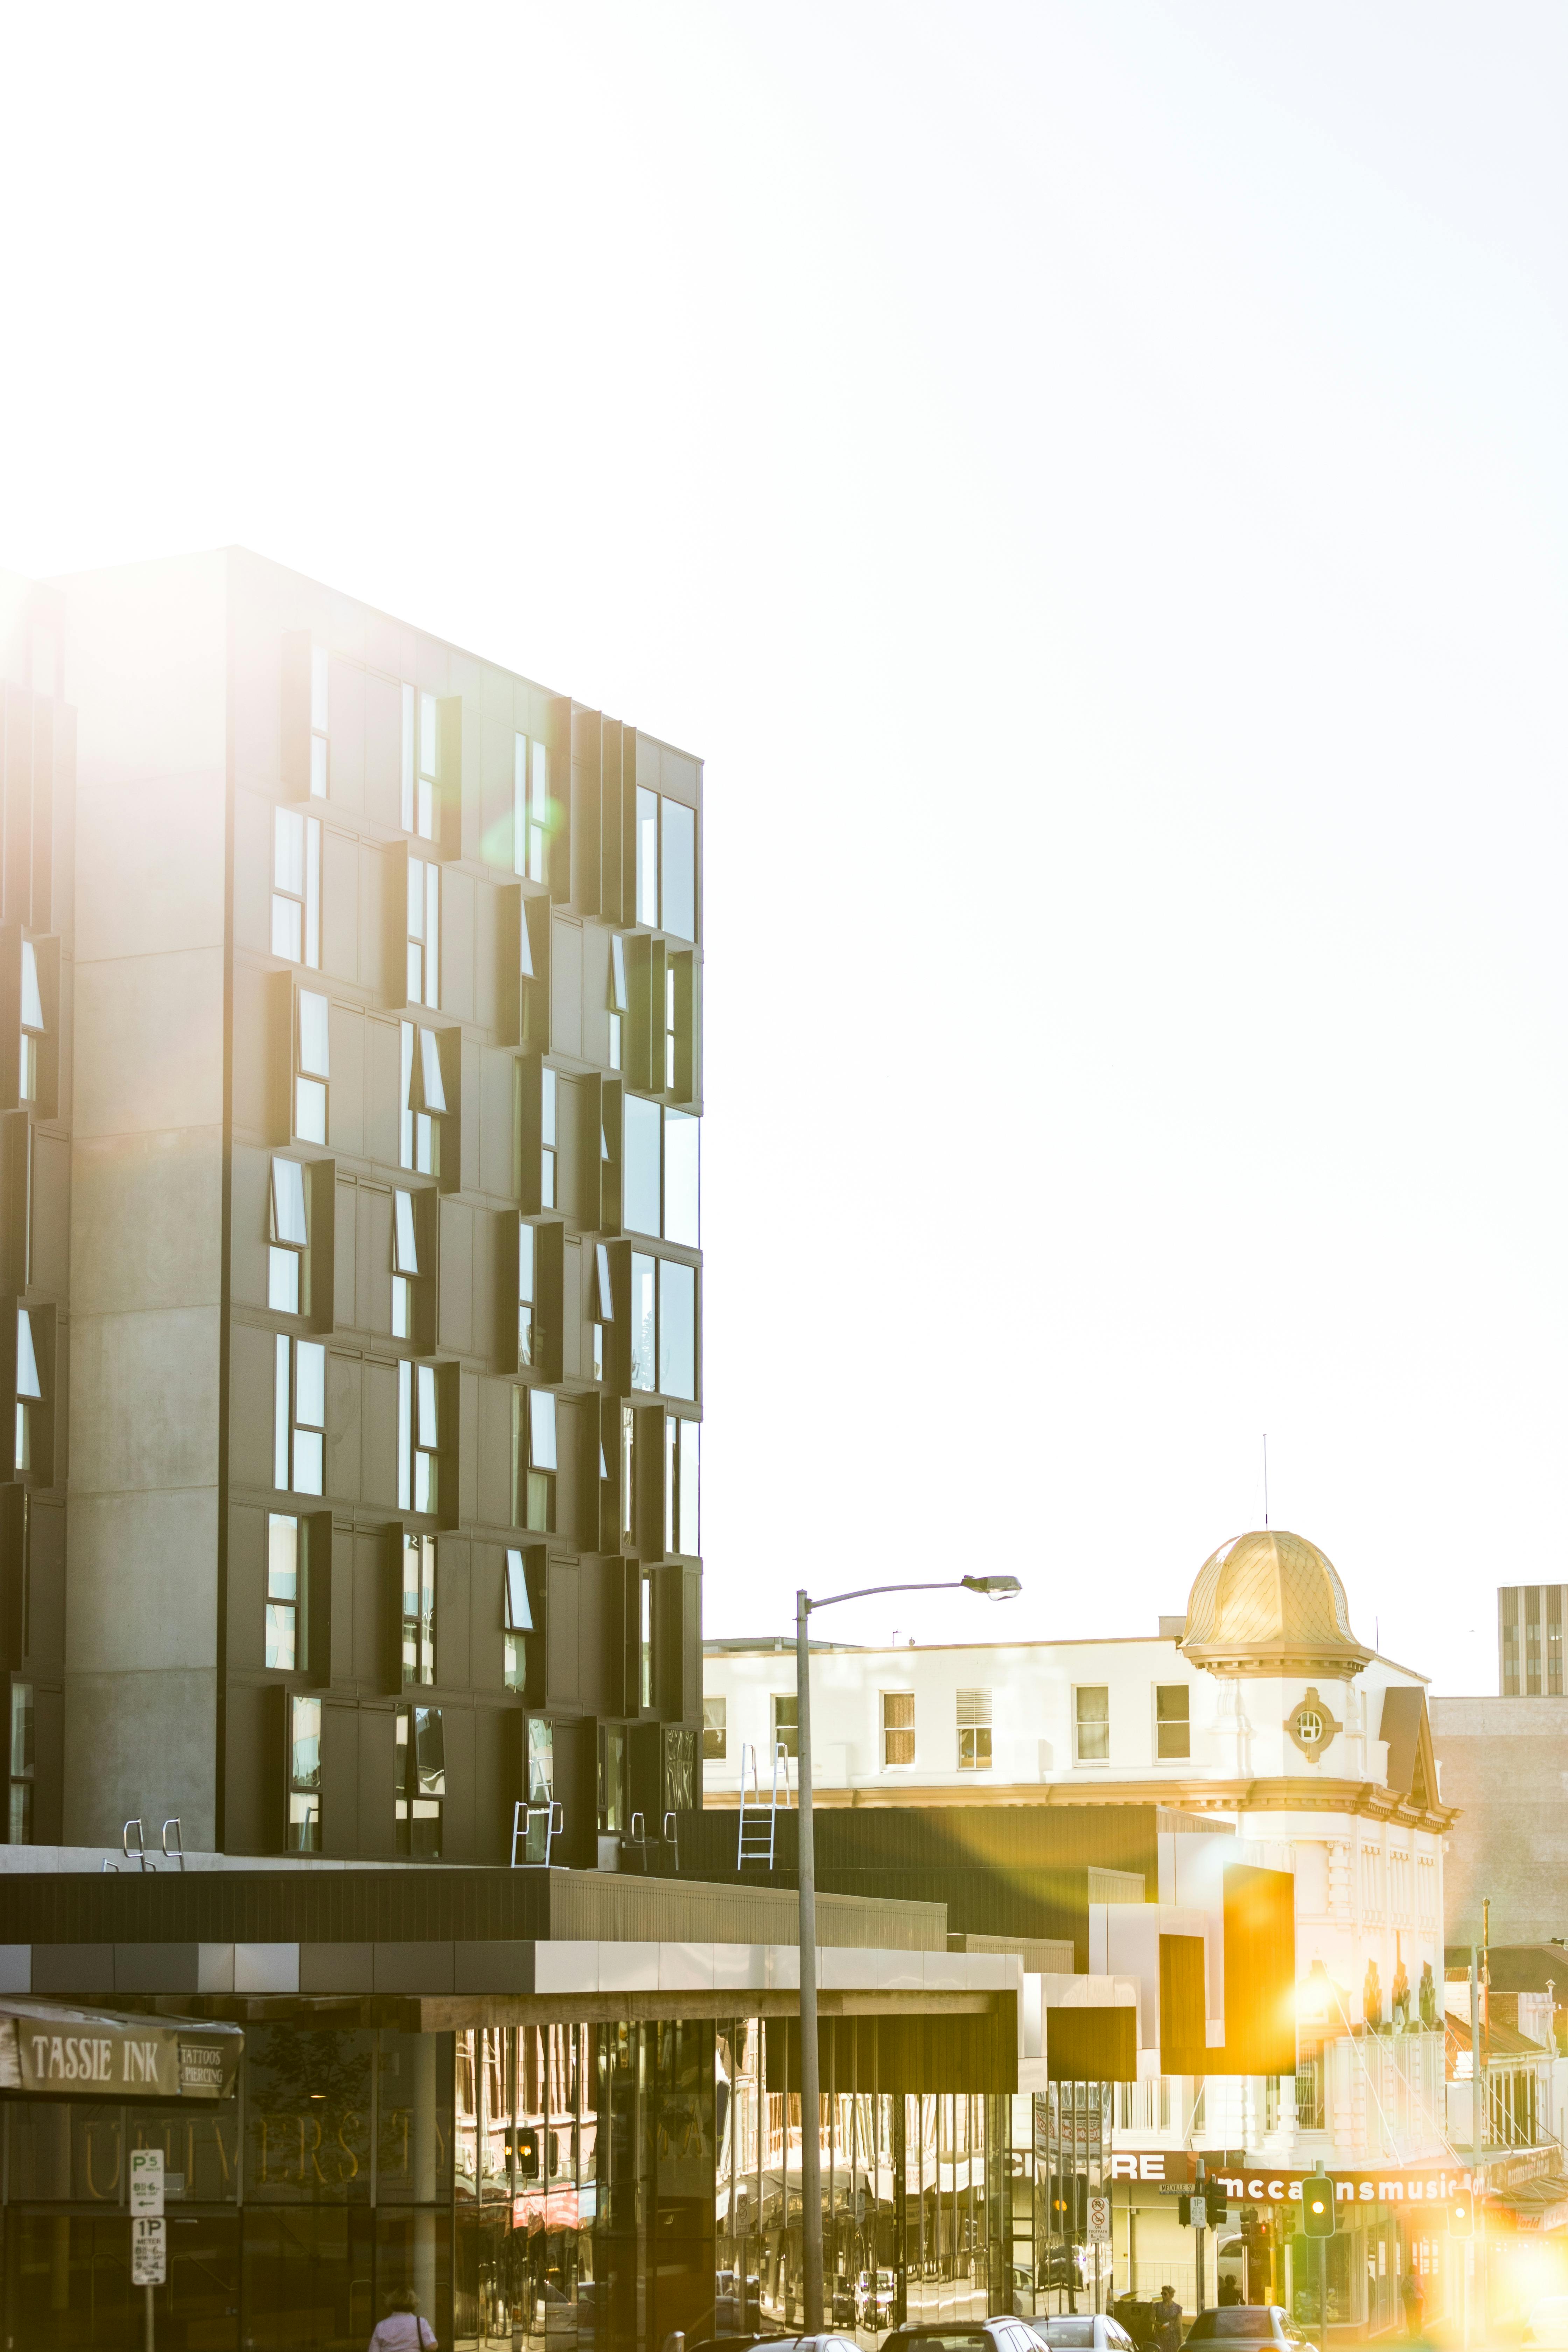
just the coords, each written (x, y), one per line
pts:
(947, 1584)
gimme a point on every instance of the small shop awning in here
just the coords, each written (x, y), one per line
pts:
(63, 2051)
(1541, 2204)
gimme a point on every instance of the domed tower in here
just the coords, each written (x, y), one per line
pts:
(1271, 1603)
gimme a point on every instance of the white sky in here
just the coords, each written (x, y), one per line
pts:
(1092, 483)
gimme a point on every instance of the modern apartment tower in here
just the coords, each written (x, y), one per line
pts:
(365, 1156)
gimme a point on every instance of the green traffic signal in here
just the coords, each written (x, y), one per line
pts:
(1318, 2207)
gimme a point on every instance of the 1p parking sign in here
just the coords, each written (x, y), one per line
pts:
(149, 2253)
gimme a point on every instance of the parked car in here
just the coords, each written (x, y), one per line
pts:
(1089, 2332)
(1000, 2334)
(1548, 2321)
(875, 2292)
(1246, 2323)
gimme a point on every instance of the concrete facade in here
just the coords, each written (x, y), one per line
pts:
(1505, 1766)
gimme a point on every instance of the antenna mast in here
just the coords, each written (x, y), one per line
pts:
(1266, 1477)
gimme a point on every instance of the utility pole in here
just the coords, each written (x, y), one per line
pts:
(810, 2089)
(1201, 2206)
(1478, 2124)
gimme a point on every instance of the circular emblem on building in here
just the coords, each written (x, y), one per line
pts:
(1312, 1725)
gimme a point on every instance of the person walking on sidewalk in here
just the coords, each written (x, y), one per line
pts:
(403, 2330)
(1167, 2322)
(1415, 2300)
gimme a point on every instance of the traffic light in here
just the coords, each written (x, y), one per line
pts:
(1461, 2216)
(1184, 2213)
(1318, 2206)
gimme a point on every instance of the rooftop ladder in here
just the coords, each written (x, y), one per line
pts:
(759, 1823)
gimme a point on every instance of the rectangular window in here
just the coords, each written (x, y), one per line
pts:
(645, 1643)
(1173, 1728)
(530, 808)
(299, 1415)
(660, 1162)
(540, 1492)
(689, 1476)
(682, 1178)
(419, 1438)
(421, 1754)
(287, 1288)
(421, 762)
(304, 1775)
(672, 1030)
(677, 888)
(288, 1615)
(898, 1728)
(547, 1195)
(29, 1393)
(1091, 1724)
(974, 1731)
(297, 886)
(640, 1137)
(617, 998)
(786, 1713)
(419, 1609)
(527, 1278)
(321, 679)
(603, 1307)
(676, 1330)
(518, 1621)
(612, 1778)
(423, 932)
(405, 1263)
(647, 858)
(311, 1067)
(628, 1473)
(20, 1824)
(715, 1735)
(32, 1023)
(423, 1099)
(645, 1363)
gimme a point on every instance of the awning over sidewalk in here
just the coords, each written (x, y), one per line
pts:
(103, 2054)
(1541, 2204)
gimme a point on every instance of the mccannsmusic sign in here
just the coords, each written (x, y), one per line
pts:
(104, 2056)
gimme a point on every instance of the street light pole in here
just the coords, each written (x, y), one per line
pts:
(994, 1587)
(810, 2106)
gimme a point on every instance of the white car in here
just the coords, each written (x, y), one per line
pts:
(1548, 2321)
(1089, 2331)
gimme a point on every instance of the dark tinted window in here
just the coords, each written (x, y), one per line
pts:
(1068, 2331)
(1251, 2323)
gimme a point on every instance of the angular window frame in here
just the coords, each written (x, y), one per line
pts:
(297, 888)
(1091, 1723)
(1172, 1731)
(974, 1712)
(304, 1732)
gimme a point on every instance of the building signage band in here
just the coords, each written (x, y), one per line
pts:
(1171, 2173)
(118, 2057)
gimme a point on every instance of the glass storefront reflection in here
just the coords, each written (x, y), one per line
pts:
(562, 2186)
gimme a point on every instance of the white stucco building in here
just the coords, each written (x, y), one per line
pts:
(1259, 1709)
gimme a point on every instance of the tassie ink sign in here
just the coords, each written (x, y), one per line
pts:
(61, 2051)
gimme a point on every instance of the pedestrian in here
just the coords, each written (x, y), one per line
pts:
(1413, 2296)
(403, 2330)
(1167, 2322)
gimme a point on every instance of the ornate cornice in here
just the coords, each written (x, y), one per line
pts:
(1290, 1793)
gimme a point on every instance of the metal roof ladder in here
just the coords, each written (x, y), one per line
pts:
(759, 1823)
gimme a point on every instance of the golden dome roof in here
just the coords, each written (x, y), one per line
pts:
(1271, 1603)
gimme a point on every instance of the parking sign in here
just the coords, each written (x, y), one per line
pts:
(147, 2183)
(1099, 2220)
(149, 2253)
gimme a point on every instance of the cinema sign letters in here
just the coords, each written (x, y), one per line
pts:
(63, 2052)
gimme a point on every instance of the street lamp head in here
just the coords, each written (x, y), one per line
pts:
(994, 1588)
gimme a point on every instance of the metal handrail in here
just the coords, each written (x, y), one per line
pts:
(523, 1815)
